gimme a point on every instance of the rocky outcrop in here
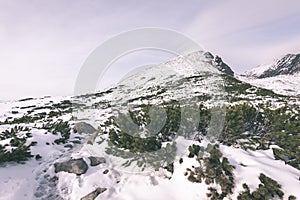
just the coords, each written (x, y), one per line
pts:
(94, 194)
(83, 127)
(223, 67)
(218, 63)
(96, 160)
(75, 166)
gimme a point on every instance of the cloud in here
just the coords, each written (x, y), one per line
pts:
(242, 31)
(44, 43)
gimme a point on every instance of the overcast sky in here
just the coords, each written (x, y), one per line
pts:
(44, 43)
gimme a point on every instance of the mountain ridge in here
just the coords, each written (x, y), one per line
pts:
(286, 65)
(281, 76)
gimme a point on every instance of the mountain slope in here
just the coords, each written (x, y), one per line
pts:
(185, 129)
(281, 84)
(287, 65)
(282, 76)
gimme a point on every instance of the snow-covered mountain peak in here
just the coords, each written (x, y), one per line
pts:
(282, 76)
(203, 61)
(173, 79)
(286, 65)
(215, 61)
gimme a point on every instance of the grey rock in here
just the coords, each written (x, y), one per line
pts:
(83, 127)
(92, 138)
(75, 166)
(223, 67)
(208, 55)
(94, 194)
(96, 160)
(38, 194)
(218, 63)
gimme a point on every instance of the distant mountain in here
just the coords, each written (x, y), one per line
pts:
(281, 84)
(287, 65)
(282, 76)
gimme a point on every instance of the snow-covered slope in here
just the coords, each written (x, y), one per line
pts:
(281, 84)
(38, 135)
(282, 76)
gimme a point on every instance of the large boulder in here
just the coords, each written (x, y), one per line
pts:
(83, 127)
(75, 166)
(94, 194)
(96, 160)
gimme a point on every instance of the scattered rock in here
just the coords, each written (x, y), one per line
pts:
(181, 160)
(94, 194)
(38, 157)
(170, 167)
(75, 166)
(76, 141)
(68, 146)
(83, 127)
(38, 194)
(96, 160)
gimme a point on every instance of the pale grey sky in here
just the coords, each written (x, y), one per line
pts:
(44, 43)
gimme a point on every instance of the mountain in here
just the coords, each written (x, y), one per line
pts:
(287, 65)
(184, 129)
(219, 64)
(282, 76)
